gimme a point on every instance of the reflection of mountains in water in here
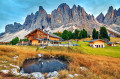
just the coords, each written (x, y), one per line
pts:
(43, 66)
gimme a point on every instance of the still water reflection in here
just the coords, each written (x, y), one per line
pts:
(42, 65)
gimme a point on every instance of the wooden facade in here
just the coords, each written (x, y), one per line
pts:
(97, 43)
(40, 37)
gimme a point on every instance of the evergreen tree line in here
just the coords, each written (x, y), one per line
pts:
(100, 35)
(77, 34)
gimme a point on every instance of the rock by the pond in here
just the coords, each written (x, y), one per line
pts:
(40, 55)
(14, 71)
(52, 78)
(15, 57)
(70, 75)
(37, 75)
(75, 74)
(4, 61)
(15, 66)
(25, 74)
(52, 74)
(5, 71)
(83, 68)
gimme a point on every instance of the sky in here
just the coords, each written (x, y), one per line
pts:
(16, 10)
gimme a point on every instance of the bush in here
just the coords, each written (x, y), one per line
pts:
(14, 41)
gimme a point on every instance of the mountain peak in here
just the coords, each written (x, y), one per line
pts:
(32, 14)
(110, 9)
(100, 17)
(101, 14)
(74, 6)
(63, 6)
(41, 8)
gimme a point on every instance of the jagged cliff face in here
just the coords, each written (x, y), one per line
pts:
(100, 18)
(11, 28)
(63, 15)
(112, 17)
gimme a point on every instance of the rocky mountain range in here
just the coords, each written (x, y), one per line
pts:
(60, 19)
(62, 16)
(112, 17)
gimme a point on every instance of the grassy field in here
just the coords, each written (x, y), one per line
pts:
(85, 48)
(99, 67)
(107, 51)
(102, 63)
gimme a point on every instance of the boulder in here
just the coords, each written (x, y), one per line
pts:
(83, 68)
(40, 55)
(25, 74)
(5, 71)
(70, 75)
(51, 78)
(4, 61)
(15, 66)
(14, 71)
(53, 74)
(75, 74)
(15, 57)
(37, 75)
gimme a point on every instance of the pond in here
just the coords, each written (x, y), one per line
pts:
(43, 65)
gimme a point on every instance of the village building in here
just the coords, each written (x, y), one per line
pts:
(40, 37)
(112, 44)
(97, 43)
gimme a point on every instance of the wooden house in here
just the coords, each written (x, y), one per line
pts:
(97, 43)
(40, 37)
(112, 44)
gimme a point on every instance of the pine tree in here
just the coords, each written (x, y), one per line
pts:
(70, 34)
(76, 34)
(94, 34)
(103, 33)
(65, 35)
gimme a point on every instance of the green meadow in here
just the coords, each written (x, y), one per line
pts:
(86, 49)
(107, 51)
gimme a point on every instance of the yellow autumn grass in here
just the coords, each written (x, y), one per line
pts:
(99, 67)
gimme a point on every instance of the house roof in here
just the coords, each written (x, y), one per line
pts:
(46, 32)
(96, 40)
(111, 43)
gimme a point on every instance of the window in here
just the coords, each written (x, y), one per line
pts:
(44, 41)
(30, 41)
(39, 41)
(97, 46)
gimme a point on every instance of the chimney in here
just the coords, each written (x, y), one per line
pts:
(42, 28)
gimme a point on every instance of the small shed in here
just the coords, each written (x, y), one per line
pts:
(97, 43)
(112, 44)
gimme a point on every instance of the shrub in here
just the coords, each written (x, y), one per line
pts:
(14, 41)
